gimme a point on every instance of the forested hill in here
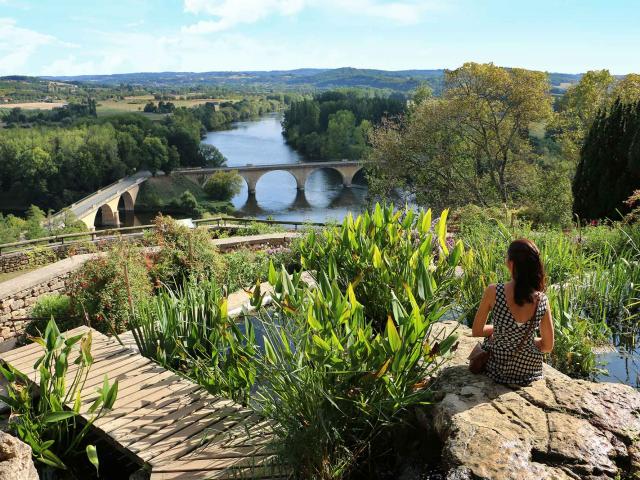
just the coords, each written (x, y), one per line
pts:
(310, 78)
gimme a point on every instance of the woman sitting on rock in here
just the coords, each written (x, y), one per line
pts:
(520, 309)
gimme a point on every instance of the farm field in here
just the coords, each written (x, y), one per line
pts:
(136, 104)
(33, 105)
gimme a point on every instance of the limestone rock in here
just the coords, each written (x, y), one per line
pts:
(15, 459)
(556, 428)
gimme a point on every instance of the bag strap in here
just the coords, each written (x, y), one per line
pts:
(531, 322)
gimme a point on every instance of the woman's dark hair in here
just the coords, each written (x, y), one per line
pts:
(528, 271)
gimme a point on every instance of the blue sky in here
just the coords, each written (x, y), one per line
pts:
(74, 37)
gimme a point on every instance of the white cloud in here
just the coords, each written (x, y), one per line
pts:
(229, 13)
(17, 45)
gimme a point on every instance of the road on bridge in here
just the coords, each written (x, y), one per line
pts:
(82, 207)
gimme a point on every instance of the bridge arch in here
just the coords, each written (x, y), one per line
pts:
(126, 202)
(105, 216)
(357, 174)
(253, 177)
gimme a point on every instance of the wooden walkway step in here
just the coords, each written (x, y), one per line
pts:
(165, 422)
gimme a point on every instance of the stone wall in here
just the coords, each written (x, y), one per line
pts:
(44, 255)
(16, 307)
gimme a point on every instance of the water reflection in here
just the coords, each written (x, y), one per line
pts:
(261, 142)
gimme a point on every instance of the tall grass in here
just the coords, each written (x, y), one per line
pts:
(188, 329)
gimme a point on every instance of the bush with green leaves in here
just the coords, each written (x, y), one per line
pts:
(335, 386)
(54, 305)
(223, 185)
(46, 415)
(189, 330)
(378, 253)
(105, 288)
(183, 253)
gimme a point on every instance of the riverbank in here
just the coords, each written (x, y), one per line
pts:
(165, 193)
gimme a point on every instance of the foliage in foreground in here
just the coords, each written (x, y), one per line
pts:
(183, 253)
(334, 385)
(40, 415)
(103, 289)
(189, 330)
(379, 253)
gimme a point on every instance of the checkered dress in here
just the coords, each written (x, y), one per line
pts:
(506, 364)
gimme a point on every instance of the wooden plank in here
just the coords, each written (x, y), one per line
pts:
(195, 435)
(122, 368)
(163, 419)
(266, 467)
(12, 355)
(148, 425)
(178, 432)
(148, 405)
(100, 349)
(138, 386)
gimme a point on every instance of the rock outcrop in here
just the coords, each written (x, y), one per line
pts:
(15, 459)
(556, 428)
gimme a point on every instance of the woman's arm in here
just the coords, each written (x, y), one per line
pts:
(546, 339)
(480, 327)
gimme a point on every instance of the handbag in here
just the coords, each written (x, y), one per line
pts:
(479, 357)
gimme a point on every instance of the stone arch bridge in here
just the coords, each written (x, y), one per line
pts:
(300, 171)
(107, 202)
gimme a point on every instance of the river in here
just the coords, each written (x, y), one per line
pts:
(260, 142)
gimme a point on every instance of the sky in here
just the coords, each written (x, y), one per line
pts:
(78, 37)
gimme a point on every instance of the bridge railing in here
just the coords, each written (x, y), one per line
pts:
(93, 236)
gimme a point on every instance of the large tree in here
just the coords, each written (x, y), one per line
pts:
(471, 145)
(609, 167)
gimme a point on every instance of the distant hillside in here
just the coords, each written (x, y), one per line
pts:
(307, 78)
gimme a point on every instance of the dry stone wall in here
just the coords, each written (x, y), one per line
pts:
(45, 255)
(16, 307)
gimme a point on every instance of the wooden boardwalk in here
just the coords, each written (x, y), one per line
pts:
(164, 422)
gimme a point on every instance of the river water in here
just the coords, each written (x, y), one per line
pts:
(260, 142)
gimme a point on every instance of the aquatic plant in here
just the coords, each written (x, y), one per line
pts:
(46, 415)
(333, 383)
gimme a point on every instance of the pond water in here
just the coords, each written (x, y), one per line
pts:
(620, 365)
(260, 142)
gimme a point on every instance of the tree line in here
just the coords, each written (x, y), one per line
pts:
(54, 166)
(336, 124)
(609, 167)
(214, 116)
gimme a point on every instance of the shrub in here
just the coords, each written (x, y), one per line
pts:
(223, 185)
(183, 253)
(243, 268)
(104, 289)
(335, 387)
(54, 306)
(378, 253)
(38, 414)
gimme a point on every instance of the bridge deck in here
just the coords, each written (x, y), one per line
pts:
(163, 421)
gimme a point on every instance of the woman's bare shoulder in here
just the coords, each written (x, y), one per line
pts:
(490, 291)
